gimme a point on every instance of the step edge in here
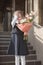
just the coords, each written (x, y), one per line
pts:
(14, 55)
(26, 61)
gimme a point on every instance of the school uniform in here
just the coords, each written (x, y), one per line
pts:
(17, 46)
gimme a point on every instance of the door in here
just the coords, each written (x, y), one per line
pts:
(5, 14)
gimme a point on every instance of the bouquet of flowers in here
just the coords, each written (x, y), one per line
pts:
(26, 23)
(28, 17)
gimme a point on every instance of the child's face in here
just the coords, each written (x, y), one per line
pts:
(15, 13)
(19, 15)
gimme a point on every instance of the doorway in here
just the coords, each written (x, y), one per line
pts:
(20, 5)
(6, 12)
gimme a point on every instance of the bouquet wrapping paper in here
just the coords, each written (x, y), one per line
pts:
(26, 23)
(25, 27)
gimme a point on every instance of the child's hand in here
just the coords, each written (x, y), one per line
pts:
(25, 33)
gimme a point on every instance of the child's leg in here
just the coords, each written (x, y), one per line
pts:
(23, 62)
(17, 60)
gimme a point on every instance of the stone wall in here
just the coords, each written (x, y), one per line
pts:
(41, 12)
(35, 37)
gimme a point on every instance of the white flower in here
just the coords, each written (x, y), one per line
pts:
(30, 18)
(30, 14)
(22, 20)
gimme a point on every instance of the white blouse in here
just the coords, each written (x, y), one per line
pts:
(15, 20)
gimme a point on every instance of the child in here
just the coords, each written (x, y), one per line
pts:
(17, 46)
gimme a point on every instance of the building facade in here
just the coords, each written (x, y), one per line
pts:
(8, 7)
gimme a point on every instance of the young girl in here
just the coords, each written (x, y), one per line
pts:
(17, 46)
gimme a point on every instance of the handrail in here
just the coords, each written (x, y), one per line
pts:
(37, 25)
(39, 37)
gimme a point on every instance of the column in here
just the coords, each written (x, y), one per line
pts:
(41, 12)
(13, 6)
(25, 6)
(36, 9)
(28, 6)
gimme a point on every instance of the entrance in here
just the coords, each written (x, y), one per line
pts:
(6, 10)
(5, 14)
(20, 5)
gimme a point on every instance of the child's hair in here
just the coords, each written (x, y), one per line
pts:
(18, 12)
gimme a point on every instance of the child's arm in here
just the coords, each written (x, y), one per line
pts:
(14, 21)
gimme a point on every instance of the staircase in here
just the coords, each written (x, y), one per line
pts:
(5, 59)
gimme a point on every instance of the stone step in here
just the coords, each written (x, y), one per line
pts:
(31, 57)
(6, 58)
(4, 42)
(5, 36)
(5, 39)
(5, 33)
(4, 52)
(33, 62)
(28, 43)
(32, 52)
(4, 47)
(29, 62)
(30, 47)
